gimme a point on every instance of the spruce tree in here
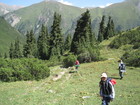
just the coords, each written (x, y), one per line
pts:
(109, 29)
(67, 43)
(83, 37)
(101, 30)
(30, 48)
(43, 44)
(56, 38)
(11, 51)
(113, 27)
(17, 51)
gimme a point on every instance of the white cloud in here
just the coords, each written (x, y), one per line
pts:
(65, 2)
(106, 5)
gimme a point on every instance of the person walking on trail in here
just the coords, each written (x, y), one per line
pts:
(77, 64)
(107, 92)
(121, 69)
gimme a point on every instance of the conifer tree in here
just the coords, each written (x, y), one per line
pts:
(101, 30)
(43, 44)
(17, 51)
(113, 27)
(109, 29)
(83, 37)
(68, 42)
(56, 38)
(11, 52)
(30, 48)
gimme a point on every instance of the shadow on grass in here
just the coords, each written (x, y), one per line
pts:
(115, 77)
(73, 71)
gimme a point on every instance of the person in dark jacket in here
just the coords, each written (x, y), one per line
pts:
(107, 92)
(121, 69)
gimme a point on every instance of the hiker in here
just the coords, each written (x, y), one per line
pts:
(77, 64)
(121, 69)
(107, 92)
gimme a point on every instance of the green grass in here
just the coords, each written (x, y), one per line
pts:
(70, 89)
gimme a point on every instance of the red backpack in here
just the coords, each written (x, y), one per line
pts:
(113, 81)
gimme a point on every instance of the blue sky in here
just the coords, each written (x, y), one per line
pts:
(78, 3)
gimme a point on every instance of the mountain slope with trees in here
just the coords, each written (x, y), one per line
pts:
(125, 15)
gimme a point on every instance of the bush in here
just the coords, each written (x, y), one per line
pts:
(130, 37)
(69, 61)
(84, 57)
(92, 54)
(132, 58)
(6, 74)
(23, 69)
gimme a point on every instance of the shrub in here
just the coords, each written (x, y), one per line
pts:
(69, 60)
(23, 69)
(132, 58)
(6, 74)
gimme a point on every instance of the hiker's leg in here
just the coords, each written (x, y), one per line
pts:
(120, 74)
(108, 100)
(105, 101)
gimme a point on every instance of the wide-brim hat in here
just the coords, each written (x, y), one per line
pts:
(104, 75)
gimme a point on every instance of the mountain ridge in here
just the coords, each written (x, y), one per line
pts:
(120, 12)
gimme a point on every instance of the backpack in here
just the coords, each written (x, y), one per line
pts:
(113, 81)
(122, 66)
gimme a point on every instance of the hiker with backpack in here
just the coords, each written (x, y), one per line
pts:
(121, 69)
(107, 92)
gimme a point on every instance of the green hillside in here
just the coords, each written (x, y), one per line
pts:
(125, 15)
(7, 36)
(82, 88)
(43, 14)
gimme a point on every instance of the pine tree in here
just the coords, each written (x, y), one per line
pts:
(113, 27)
(109, 29)
(68, 42)
(43, 44)
(11, 52)
(56, 38)
(83, 37)
(30, 48)
(17, 51)
(101, 30)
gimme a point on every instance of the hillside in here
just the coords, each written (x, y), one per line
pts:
(24, 19)
(76, 88)
(8, 35)
(125, 15)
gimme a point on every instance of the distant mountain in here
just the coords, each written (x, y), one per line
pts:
(126, 15)
(4, 9)
(8, 35)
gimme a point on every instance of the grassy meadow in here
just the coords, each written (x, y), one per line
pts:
(80, 88)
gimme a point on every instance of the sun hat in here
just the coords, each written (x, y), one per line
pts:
(103, 75)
